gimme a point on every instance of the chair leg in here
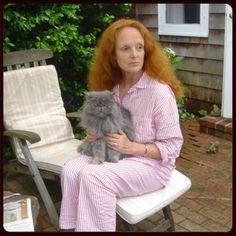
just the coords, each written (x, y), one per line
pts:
(40, 184)
(168, 216)
(128, 227)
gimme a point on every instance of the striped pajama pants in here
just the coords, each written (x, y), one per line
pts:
(89, 191)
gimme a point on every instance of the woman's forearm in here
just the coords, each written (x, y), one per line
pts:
(147, 150)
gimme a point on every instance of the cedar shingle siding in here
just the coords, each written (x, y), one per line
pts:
(201, 71)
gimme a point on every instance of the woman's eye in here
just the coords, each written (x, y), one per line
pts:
(140, 47)
(124, 48)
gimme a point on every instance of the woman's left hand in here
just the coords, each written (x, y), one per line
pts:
(118, 142)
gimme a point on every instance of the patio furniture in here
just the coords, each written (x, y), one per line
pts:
(42, 137)
(35, 120)
(135, 209)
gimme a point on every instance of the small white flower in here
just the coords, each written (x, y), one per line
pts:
(170, 52)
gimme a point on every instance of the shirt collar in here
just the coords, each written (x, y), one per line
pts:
(141, 83)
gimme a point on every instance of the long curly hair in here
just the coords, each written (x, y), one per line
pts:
(104, 71)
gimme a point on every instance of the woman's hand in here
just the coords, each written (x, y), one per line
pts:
(118, 142)
(90, 137)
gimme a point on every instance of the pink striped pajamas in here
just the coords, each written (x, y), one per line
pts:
(90, 191)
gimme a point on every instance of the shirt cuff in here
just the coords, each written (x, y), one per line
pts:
(163, 152)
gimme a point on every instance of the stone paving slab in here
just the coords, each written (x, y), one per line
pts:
(206, 207)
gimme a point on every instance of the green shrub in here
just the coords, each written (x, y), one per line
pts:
(175, 60)
(70, 31)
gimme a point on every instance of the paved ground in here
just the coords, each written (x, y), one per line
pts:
(206, 207)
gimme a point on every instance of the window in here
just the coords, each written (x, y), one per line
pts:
(183, 19)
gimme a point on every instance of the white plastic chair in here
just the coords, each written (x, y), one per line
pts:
(135, 209)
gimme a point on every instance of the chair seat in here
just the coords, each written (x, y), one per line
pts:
(135, 209)
(52, 157)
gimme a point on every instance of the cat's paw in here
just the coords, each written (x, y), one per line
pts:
(84, 152)
(79, 149)
(113, 159)
(97, 160)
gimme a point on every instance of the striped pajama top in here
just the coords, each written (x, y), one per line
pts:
(156, 120)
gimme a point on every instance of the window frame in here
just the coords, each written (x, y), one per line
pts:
(193, 30)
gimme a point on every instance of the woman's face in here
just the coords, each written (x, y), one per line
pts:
(129, 50)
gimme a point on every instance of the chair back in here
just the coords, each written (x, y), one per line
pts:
(32, 101)
(26, 58)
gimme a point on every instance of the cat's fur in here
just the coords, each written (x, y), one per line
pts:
(101, 115)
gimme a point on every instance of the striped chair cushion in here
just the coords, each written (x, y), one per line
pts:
(32, 101)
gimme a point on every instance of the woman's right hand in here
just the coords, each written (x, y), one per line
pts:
(90, 137)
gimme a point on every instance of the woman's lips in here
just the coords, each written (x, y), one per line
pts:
(134, 63)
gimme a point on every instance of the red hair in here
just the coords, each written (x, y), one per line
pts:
(104, 71)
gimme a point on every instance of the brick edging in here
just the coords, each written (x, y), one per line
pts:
(217, 126)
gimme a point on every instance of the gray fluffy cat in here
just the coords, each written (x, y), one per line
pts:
(101, 115)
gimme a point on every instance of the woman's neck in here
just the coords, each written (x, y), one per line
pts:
(129, 80)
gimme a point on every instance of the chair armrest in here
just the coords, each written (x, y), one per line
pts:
(23, 134)
(74, 114)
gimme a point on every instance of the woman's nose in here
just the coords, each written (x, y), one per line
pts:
(133, 52)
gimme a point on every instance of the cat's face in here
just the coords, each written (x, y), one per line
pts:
(99, 104)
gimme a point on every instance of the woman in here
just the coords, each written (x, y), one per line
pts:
(130, 62)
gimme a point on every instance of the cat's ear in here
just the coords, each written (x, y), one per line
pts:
(111, 93)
